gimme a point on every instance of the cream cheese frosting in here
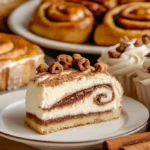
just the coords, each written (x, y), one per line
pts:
(130, 60)
(40, 97)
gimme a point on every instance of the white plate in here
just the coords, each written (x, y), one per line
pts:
(22, 16)
(12, 107)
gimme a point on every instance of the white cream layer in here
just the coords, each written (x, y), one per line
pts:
(131, 59)
(39, 97)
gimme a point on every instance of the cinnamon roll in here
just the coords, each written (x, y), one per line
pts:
(132, 20)
(62, 21)
(18, 60)
(6, 7)
(97, 7)
(130, 1)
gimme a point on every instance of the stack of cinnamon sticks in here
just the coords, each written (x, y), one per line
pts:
(139, 141)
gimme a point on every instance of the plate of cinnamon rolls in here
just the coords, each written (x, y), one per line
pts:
(80, 26)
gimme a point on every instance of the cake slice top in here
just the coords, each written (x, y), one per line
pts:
(73, 86)
(66, 69)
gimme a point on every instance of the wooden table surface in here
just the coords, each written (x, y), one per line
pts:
(6, 144)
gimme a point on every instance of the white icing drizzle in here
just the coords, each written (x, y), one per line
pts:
(130, 60)
(16, 70)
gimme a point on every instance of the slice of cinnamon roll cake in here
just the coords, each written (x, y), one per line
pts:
(71, 93)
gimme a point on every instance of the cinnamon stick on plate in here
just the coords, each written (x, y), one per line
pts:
(140, 146)
(116, 144)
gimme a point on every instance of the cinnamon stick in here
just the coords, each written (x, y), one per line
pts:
(116, 144)
(140, 146)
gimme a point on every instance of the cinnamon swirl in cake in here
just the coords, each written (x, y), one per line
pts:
(71, 93)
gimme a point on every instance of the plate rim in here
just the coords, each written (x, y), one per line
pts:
(80, 142)
(64, 46)
(5, 134)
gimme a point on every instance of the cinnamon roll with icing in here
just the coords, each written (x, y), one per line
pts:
(62, 21)
(71, 96)
(18, 61)
(132, 20)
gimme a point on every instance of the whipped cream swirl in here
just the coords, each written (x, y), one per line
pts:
(129, 61)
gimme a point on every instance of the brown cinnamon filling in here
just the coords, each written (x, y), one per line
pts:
(76, 97)
(61, 119)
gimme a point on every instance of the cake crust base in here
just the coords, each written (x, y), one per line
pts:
(72, 122)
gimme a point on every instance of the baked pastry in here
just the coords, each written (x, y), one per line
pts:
(124, 59)
(62, 21)
(18, 61)
(130, 20)
(97, 7)
(142, 83)
(6, 7)
(60, 97)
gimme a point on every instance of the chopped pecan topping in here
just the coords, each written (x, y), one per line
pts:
(146, 35)
(56, 68)
(148, 69)
(113, 54)
(124, 39)
(83, 64)
(123, 44)
(65, 61)
(145, 40)
(122, 47)
(138, 42)
(148, 55)
(100, 67)
(42, 68)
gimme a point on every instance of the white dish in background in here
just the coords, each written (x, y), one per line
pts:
(21, 17)
(12, 107)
